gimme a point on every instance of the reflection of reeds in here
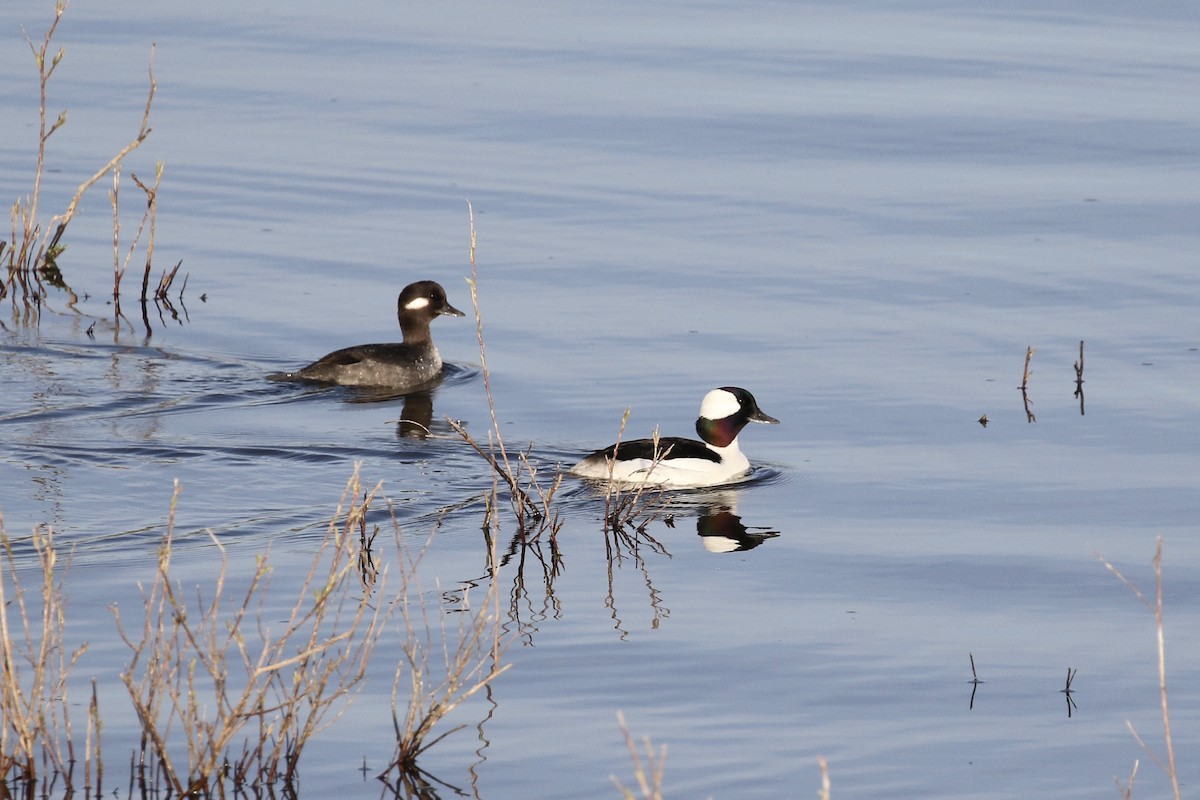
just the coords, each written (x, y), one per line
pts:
(36, 727)
(625, 542)
(1157, 609)
(205, 670)
(31, 256)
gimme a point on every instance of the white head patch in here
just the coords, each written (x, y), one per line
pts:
(419, 302)
(719, 404)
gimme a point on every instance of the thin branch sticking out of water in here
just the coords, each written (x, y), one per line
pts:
(1079, 378)
(1029, 351)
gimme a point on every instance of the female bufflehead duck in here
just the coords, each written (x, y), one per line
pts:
(684, 462)
(400, 366)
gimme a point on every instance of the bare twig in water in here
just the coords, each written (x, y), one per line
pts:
(1157, 609)
(1079, 378)
(975, 681)
(1029, 351)
(1068, 690)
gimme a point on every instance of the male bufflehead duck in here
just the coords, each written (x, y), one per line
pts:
(401, 366)
(684, 462)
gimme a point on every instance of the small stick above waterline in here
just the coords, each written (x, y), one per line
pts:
(1067, 691)
(975, 681)
(1079, 378)
(1029, 351)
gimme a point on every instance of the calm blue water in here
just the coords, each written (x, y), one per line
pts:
(863, 215)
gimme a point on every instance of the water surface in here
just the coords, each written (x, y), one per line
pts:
(865, 216)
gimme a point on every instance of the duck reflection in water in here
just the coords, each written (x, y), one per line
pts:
(721, 530)
(416, 416)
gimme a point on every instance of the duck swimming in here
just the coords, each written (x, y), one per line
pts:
(401, 366)
(679, 462)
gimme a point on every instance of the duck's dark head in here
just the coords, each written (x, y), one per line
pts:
(419, 303)
(725, 411)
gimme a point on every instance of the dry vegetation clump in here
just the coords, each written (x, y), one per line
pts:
(227, 696)
(30, 256)
(246, 698)
(37, 739)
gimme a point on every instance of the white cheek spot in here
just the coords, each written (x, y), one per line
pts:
(719, 404)
(420, 302)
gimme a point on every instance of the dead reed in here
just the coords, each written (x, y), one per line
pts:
(31, 255)
(471, 652)
(213, 673)
(823, 765)
(1024, 387)
(37, 741)
(531, 502)
(1079, 378)
(1157, 609)
(648, 772)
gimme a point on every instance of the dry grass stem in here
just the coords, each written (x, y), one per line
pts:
(1157, 608)
(204, 668)
(647, 773)
(30, 256)
(470, 660)
(532, 503)
(1079, 378)
(1126, 789)
(36, 726)
(823, 793)
(625, 502)
(1029, 415)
